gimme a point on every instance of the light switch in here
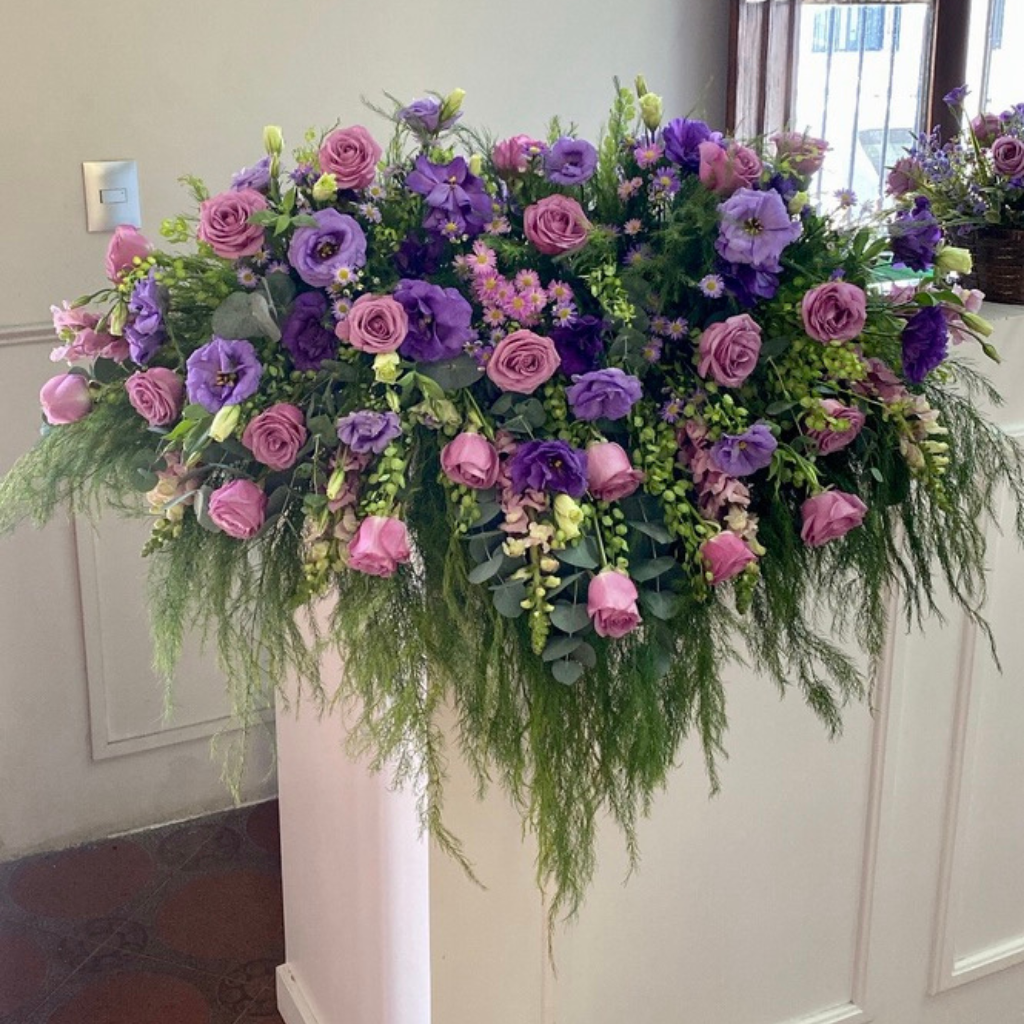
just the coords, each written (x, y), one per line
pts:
(111, 194)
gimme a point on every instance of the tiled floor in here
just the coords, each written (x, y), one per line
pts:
(179, 925)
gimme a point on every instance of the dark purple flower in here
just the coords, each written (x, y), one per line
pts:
(424, 116)
(915, 235)
(223, 372)
(925, 340)
(308, 342)
(955, 97)
(366, 431)
(787, 185)
(440, 321)
(570, 161)
(257, 176)
(579, 344)
(549, 466)
(682, 137)
(754, 228)
(317, 254)
(416, 258)
(603, 394)
(746, 453)
(145, 331)
(453, 194)
(749, 286)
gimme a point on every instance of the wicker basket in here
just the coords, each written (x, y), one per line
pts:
(999, 264)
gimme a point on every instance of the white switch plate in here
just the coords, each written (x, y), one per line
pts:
(111, 194)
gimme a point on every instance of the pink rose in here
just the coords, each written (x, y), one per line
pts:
(157, 395)
(986, 128)
(903, 176)
(829, 515)
(1008, 156)
(804, 153)
(351, 155)
(830, 440)
(65, 399)
(610, 474)
(125, 244)
(725, 170)
(275, 436)
(238, 508)
(729, 350)
(471, 460)
(556, 224)
(836, 311)
(611, 604)
(380, 545)
(725, 555)
(512, 156)
(376, 323)
(522, 361)
(224, 223)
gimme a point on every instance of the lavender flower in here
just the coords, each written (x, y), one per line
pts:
(222, 372)
(318, 253)
(440, 321)
(754, 229)
(570, 161)
(145, 331)
(308, 342)
(955, 97)
(746, 453)
(915, 235)
(549, 466)
(925, 342)
(424, 116)
(749, 286)
(603, 394)
(682, 137)
(453, 194)
(257, 176)
(366, 431)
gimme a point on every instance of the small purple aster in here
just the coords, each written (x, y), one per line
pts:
(712, 286)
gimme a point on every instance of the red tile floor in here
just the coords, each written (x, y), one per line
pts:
(177, 925)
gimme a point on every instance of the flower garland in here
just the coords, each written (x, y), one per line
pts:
(554, 426)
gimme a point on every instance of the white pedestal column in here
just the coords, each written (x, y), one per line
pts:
(356, 885)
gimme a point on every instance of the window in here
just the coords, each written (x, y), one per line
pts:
(848, 30)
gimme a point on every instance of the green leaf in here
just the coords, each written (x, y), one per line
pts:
(570, 618)
(567, 672)
(517, 425)
(508, 599)
(662, 604)
(533, 412)
(452, 374)
(304, 220)
(483, 545)
(775, 347)
(583, 556)
(489, 569)
(488, 510)
(652, 568)
(777, 408)
(195, 412)
(656, 531)
(245, 315)
(281, 288)
(504, 404)
(877, 474)
(585, 655)
(567, 581)
(561, 647)
(106, 371)
(277, 500)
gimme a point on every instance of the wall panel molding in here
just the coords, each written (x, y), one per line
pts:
(27, 334)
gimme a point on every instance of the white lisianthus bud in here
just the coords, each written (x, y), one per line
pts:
(953, 260)
(335, 483)
(798, 202)
(651, 110)
(273, 140)
(325, 188)
(452, 103)
(476, 164)
(385, 367)
(976, 323)
(224, 422)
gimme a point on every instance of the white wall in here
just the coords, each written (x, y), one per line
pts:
(186, 86)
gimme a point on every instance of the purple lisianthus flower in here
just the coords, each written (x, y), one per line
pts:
(308, 342)
(224, 371)
(570, 161)
(747, 285)
(317, 254)
(925, 342)
(746, 453)
(682, 137)
(915, 235)
(549, 466)
(579, 344)
(416, 258)
(257, 176)
(145, 330)
(754, 228)
(955, 97)
(440, 321)
(603, 394)
(366, 431)
(453, 194)
(424, 116)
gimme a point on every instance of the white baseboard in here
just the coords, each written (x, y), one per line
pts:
(292, 1003)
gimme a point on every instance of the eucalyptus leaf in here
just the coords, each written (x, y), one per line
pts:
(656, 531)
(281, 289)
(487, 511)
(583, 556)
(533, 412)
(561, 647)
(503, 405)
(487, 570)
(517, 425)
(662, 604)
(570, 618)
(106, 371)
(585, 655)
(567, 581)
(508, 599)
(652, 568)
(482, 546)
(566, 672)
(245, 315)
(452, 374)
(774, 347)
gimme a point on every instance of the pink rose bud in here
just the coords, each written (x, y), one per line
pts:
(470, 460)
(556, 224)
(511, 156)
(904, 176)
(804, 153)
(830, 440)
(611, 604)
(725, 555)
(522, 361)
(224, 223)
(729, 350)
(238, 508)
(351, 155)
(375, 324)
(65, 399)
(276, 435)
(725, 170)
(125, 244)
(157, 395)
(987, 128)
(1008, 156)
(836, 311)
(610, 474)
(380, 545)
(829, 515)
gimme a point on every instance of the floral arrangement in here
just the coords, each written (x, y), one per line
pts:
(554, 426)
(974, 180)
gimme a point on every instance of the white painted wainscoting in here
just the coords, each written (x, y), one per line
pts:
(878, 878)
